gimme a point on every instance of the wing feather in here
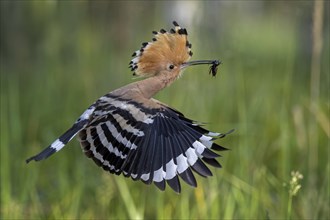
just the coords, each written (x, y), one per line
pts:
(152, 145)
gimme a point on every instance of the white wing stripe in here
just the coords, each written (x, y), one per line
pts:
(205, 138)
(107, 144)
(182, 163)
(145, 177)
(92, 147)
(87, 113)
(57, 145)
(199, 147)
(170, 170)
(118, 136)
(134, 111)
(207, 144)
(125, 126)
(159, 175)
(191, 155)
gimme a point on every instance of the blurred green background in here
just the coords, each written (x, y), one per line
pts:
(58, 57)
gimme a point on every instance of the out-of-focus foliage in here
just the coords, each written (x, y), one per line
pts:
(58, 57)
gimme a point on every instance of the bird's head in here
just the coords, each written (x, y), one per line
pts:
(167, 54)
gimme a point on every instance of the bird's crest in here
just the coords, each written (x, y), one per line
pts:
(166, 48)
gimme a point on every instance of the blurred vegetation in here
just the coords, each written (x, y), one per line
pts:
(57, 57)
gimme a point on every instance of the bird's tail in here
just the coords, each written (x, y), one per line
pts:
(59, 143)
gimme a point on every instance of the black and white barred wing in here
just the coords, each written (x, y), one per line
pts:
(152, 145)
(59, 143)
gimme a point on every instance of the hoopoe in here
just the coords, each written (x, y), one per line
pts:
(128, 132)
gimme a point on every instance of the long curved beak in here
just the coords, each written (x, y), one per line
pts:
(199, 62)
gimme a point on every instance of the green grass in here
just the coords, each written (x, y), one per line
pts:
(56, 61)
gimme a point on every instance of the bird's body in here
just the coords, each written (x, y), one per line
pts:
(128, 132)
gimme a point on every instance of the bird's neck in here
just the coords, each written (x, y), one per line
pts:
(146, 88)
(151, 86)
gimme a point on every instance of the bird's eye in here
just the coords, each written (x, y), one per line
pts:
(171, 66)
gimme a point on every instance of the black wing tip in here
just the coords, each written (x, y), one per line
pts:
(211, 161)
(222, 135)
(200, 168)
(174, 183)
(36, 158)
(227, 133)
(210, 154)
(217, 147)
(231, 131)
(30, 159)
(189, 177)
(161, 185)
(42, 155)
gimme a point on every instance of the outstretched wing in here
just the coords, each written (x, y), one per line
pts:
(59, 143)
(149, 144)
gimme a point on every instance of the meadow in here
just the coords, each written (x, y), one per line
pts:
(272, 88)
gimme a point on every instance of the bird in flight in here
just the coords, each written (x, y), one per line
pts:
(128, 132)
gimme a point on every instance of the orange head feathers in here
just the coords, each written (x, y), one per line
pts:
(169, 52)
